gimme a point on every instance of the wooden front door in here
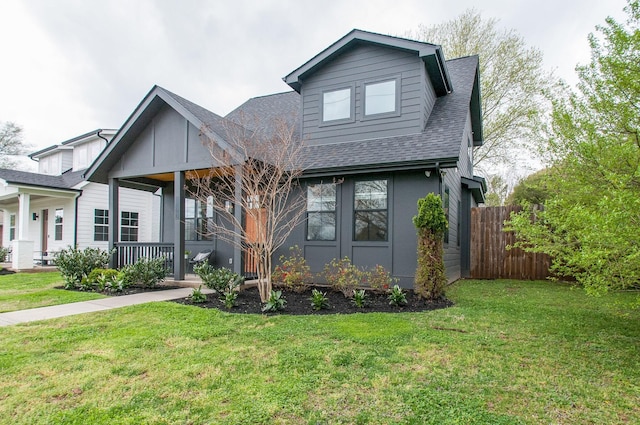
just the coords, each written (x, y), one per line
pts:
(252, 232)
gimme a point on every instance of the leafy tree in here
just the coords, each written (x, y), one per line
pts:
(431, 224)
(512, 83)
(591, 220)
(534, 189)
(11, 144)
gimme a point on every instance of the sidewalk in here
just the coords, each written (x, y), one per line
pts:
(62, 310)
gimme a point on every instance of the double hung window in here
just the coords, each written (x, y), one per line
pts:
(321, 212)
(370, 210)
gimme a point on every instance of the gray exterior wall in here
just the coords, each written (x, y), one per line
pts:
(168, 143)
(353, 69)
(398, 253)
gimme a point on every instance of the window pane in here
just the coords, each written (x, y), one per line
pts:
(336, 105)
(190, 208)
(380, 97)
(371, 226)
(321, 197)
(321, 226)
(190, 229)
(371, 195)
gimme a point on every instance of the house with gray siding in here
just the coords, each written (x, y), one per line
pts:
(384, 121)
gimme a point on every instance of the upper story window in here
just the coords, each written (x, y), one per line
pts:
(380, 97)
(337, 104)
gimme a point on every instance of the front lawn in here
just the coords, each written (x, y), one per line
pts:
(21, 291)
(508, 352)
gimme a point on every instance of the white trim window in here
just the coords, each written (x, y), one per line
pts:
(129, 222)
(58, 227)
(100, 225)
(12, 227)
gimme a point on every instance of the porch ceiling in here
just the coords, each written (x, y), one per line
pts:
(189, 175)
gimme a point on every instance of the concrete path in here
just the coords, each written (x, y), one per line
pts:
(62, 310)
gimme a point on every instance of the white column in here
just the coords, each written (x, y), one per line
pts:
(22, 256)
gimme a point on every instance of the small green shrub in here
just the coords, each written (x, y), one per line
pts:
(217, 279)
(197, 296)
(276, 302)
(359, 299)
(379, 279)
(4, 253)
(293, 273)
(75, 264)
(319, 300)
(146, 272)
(229, 299)
(397, 296)
(343, 276)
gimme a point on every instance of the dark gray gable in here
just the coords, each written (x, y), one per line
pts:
(204, 120)
(431, 54)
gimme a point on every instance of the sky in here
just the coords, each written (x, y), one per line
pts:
(71, 66)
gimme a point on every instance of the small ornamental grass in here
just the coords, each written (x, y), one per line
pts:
(397, 296)
(359, 298)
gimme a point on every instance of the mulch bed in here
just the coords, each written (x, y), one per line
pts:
(248, 302)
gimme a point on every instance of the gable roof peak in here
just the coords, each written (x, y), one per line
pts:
(431, 54)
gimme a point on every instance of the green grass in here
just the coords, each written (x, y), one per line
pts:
(21, 291)
(509, 352)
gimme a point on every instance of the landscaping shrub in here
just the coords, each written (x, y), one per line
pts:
(319, 300)
(397, 296)
(293, 273)
(343, 276)
(197, 296)
(276, 302)
(218, 279)
(431, 224)
(75, 264)
(379, 279)
(146, 272)
(359, 299)
(4, 252)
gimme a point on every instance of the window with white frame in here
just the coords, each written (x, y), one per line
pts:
(100, 225)
(370, 210)
(59, 218)
(198, 221)
(380, 97)
(337, 105)
(129, 226)
(12, 227)
(321, 212)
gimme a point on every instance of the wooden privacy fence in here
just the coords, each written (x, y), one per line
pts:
(490, 258)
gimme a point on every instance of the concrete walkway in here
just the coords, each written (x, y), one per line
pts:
(62, 310)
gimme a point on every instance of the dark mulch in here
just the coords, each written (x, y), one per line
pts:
(248, 302)
(6, 271)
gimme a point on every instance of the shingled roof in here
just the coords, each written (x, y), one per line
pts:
(66, 180)
(439, 142)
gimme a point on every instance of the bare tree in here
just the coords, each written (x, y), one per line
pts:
(11, 144)
(512, 79)
(253, 186)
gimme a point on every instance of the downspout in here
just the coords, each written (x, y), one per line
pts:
(75, 226)
(439, 178)
(103, 138)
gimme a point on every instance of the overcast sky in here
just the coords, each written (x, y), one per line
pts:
(72, 66)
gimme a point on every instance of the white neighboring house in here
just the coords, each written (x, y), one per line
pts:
(56, 207)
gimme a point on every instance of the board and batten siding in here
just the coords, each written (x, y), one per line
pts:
(168, 143)
(95, 196)
(355, 68)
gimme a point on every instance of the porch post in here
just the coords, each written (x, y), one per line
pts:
(178, 235)
(114, 217)
(237, 250)
(22, 247)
